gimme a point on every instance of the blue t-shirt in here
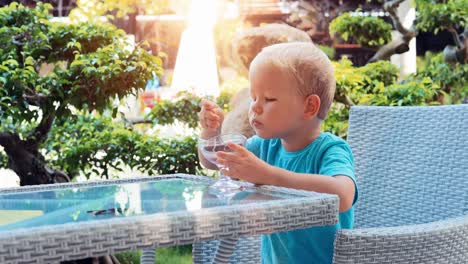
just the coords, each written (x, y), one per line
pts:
(326, 155)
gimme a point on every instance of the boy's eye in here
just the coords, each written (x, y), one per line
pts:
(268, 99)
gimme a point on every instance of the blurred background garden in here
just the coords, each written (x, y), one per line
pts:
(108, 89)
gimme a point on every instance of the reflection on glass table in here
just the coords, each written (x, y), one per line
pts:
(111, 201)
(91, 219)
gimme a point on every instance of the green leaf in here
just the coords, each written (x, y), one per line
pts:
(11, 62)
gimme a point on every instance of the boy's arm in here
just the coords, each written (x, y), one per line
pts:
(341, 185)
(242, 163)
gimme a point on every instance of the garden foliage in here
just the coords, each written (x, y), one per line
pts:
(92, 65)
(97, 145)
(89, 65)
(431, 16)
(435, 16)
(184, 108)
(367, 31)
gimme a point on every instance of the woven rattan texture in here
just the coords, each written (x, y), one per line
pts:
(103, 237)
(247, 251)
(412, 168)
(440, 242)
(410, 163)
(247, 248)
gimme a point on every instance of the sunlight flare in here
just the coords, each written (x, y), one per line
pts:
(195, 69)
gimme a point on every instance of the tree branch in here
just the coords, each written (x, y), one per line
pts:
(7, 140)
(344, 99)
(393, 4)
(464, 49)
(19, 50)
(35, 98)
(455, 37)
(41, 131)
(138, 120)
(391, 8)
(400, 44)
(397, 46)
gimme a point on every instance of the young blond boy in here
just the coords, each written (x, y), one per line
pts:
(292, 88)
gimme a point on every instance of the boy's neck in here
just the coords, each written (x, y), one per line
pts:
(302, 138)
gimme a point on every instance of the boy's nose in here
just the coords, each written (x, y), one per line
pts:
(256, 108)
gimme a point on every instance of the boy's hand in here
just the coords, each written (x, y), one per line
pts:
(211, 117)
(243, 164)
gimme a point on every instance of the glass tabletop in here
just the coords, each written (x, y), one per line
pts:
(90, 203)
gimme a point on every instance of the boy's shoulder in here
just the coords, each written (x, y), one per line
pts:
(330, 138)
(329, 141)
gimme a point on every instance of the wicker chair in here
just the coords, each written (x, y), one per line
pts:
(412, 171)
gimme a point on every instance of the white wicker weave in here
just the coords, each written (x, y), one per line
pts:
(55, 243)
(412, 170)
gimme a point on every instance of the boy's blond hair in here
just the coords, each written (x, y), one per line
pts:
(307, 65)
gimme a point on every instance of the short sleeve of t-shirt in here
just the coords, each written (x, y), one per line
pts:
(338, 160)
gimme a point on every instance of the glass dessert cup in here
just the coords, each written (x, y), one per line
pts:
(209, 148)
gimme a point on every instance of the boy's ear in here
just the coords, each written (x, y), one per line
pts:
(311, 106)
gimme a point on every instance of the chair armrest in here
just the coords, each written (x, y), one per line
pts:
(443, 241)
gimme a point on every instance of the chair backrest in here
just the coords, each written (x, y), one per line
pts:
(411, 163)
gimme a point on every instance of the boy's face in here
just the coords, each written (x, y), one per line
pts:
(277, 109)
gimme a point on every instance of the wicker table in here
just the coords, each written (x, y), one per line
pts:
(52, 223)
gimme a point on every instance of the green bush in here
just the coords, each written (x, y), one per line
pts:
(184, 108)
(380, 71)
(169, 255)
(95, 145)
(349, 82)
(435, 16)
(451, 78)
(376, 84)
(353, 84)
(413, 91)
(337, 120)
(367, 31)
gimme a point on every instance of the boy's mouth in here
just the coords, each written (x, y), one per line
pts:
(256, 124)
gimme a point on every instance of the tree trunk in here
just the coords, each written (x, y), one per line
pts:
(28, 163)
